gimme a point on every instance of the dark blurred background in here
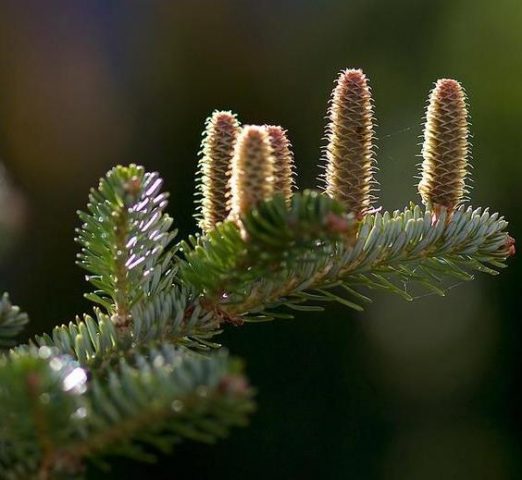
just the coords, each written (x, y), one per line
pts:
(423, 390)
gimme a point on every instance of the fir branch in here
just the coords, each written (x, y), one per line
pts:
(175, 316)
(43, 408)
(56, 419)
(12, 321)
(166, 392)
(280, 263)
(92, 341)
(128, 378)
(124, 237)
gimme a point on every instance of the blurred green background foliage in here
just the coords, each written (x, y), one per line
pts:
(422, 391)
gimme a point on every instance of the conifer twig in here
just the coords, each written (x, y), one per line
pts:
(144, 371)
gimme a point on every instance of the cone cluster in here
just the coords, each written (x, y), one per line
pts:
(241, 166)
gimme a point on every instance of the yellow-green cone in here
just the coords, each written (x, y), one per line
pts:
(284, 161)
(350, 159)
(219, 139)
(445, 150)
(253, 164)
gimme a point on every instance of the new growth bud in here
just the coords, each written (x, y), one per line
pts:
(284, 161)
(445, 150)
(219, 139)
(253, 168)
(350, 160)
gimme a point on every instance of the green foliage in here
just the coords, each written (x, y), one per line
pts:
(89, 341)
(42, 403)
(139, 384)
(168, 395)
(144, 372)
(273, 235)
(178, 315)
(12, 321)
(95, 342)
(124, 237)
(294, 255)
(55, 418)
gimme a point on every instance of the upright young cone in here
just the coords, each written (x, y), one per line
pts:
(445, 150)
(219, 138)
(349, 154)
(283, 161)
(253, 164)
